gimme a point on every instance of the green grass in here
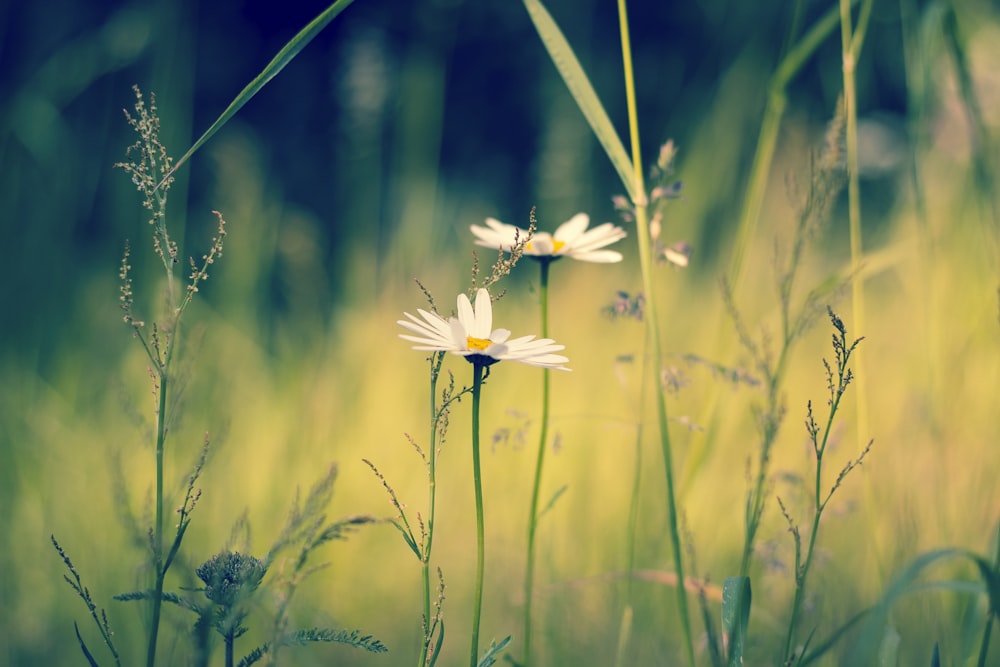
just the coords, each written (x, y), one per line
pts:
(287, 388)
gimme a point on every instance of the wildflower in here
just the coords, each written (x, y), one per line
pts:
(471, 335)
(230, 575)
(571, 239)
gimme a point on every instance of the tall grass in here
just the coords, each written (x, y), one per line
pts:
(286, 375)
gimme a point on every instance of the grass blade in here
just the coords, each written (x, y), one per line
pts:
(583, 92)
(285, 56)
(736, 597)
(83, 646)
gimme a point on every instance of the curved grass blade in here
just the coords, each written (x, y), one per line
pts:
(83, 646)
(583, 92)
(285, 56)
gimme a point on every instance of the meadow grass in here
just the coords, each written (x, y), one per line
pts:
(640, 503)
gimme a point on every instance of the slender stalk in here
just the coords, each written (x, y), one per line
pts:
(477, 604)
(838, 386)
(529, 574)
(230, 641)
(790, 65)
(160, 572)
(851, 42)
(645, 260)
(625, 627)
(425, 558)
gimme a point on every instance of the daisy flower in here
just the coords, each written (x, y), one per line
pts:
(571, 239)
(472, 336)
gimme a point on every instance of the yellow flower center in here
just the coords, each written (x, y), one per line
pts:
(479, 344)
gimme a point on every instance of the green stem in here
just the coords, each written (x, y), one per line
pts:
(632, 533)
(529, 574)
(802, 568)
(477, 604)
(851, 42)
(777, 100)
(645, 259)
(753, 199)
(160, 571)
(436, 360)
(230, 641)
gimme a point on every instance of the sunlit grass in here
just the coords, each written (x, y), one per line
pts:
(286, 390)
(283, 413)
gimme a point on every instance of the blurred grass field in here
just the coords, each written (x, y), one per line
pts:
(359, 170)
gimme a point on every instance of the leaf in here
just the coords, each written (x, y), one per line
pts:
(83, 646)
(552, 501)
(437, 646)
(285, 56)
(736, 598)
(493, 651)
(583, 92)
(353, 638)
(406, 536)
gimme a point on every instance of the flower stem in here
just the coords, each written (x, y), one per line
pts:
(529, 575)
(477, 604)
(230, 641)
(645, 261)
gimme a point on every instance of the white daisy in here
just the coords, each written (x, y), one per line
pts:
(571, 239)
(471, 335)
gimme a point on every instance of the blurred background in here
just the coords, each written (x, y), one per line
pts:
(359, 168)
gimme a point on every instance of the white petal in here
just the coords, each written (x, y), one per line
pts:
(483, 322)
(496, 350)
(599, 237)
(598, 256)
(500, 335)
(459, 333)
(572, 228)
(466, 315)
(498, 235)
(432, 330)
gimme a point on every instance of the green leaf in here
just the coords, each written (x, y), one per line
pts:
(493, 651)
(83, 646)
(285, 56)
(552, 501)
(408, 537)
(736, 597)
(583, 92)
(437, 646)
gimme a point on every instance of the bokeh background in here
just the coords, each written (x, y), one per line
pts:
(358, 169)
